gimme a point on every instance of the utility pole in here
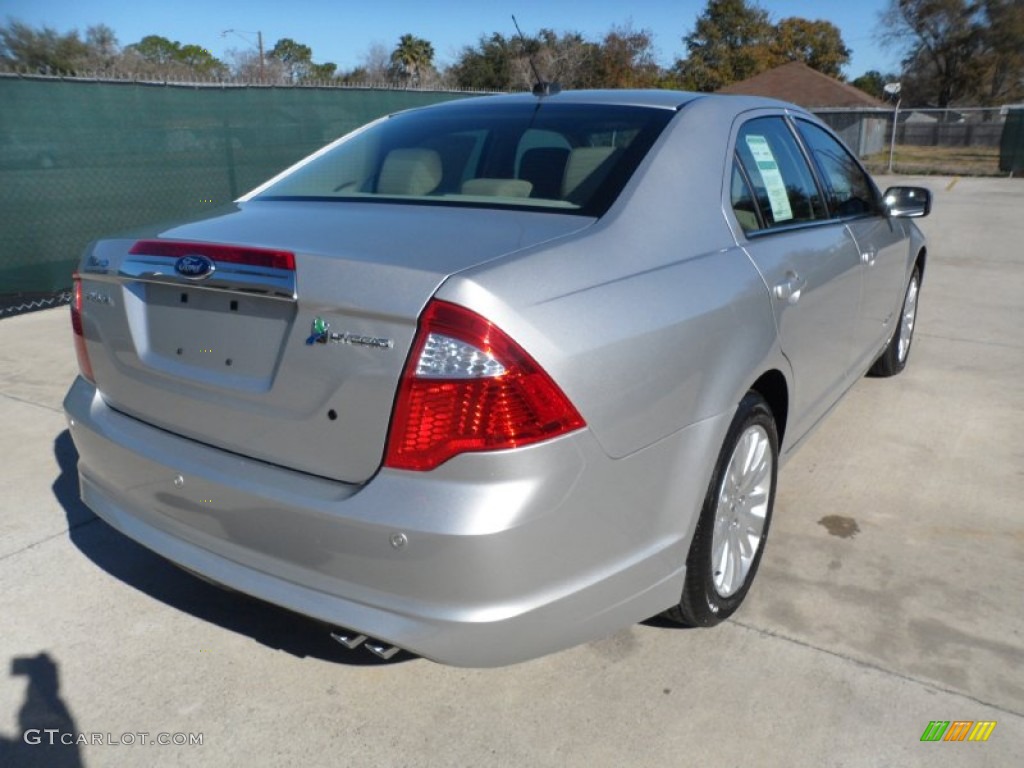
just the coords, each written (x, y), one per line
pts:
(259, 37)
(259, 44)
(893, 90)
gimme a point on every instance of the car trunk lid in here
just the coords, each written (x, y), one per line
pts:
(279, 330)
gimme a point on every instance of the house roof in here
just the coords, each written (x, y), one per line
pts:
(797, 83)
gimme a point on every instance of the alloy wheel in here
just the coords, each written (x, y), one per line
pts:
(742, 507)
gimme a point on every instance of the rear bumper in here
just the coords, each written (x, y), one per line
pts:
(488, 560)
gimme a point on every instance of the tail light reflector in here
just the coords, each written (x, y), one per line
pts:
(467, 386)
(76, 326)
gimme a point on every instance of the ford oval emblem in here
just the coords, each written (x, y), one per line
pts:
(195, 267)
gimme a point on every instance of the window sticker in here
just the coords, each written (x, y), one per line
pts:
(775, 186)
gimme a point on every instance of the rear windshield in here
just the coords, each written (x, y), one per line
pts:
(569, 158)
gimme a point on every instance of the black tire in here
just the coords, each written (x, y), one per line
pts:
(702, 604)
(894, 357)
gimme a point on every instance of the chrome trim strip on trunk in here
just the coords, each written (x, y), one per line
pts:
(236, 278)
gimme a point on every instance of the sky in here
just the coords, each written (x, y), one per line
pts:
(342, 31)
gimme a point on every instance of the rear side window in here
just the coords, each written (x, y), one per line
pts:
(742, 199)
(783, 185)
(850, 190)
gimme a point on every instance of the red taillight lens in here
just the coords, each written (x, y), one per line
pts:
(231, 254)
(76, 326)
(467, 387)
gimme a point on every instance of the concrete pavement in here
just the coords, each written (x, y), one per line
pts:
(889, 595)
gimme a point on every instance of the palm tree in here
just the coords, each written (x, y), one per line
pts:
(412, 56)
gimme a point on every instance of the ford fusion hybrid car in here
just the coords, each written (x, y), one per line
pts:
(488, 379)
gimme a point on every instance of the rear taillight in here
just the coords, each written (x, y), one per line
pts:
(468, 387)
(76, 326)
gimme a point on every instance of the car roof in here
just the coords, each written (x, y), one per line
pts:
(654, 98)
(638, 98)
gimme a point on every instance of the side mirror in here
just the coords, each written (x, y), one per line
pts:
(907, 202)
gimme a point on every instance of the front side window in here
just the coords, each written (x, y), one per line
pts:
(783, 185)
(571, 158)
(850, 190)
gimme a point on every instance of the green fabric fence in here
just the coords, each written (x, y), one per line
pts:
(81, 159)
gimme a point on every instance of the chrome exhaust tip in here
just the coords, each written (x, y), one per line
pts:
(380, 649)
(352, 641)
(349, 640)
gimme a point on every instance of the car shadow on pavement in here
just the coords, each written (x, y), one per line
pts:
(151, 574)
(663, 622)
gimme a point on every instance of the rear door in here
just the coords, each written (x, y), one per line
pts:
(809, 262)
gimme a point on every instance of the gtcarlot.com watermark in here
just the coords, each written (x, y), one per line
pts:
(54, 736)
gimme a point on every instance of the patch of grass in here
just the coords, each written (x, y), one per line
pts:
(940, 161)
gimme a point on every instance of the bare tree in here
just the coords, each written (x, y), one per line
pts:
(569, 59)
(246, 66)
(377, 63)
(958, 51)
(104, 51)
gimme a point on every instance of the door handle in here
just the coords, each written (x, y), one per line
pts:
(789, 289)
(868, 257)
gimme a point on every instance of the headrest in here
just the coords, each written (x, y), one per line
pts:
(410, 172)
(583, 161)
(497, 187)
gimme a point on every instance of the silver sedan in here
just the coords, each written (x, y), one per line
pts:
(487, 379)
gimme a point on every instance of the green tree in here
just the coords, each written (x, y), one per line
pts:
(732, 40)
(295, 57)
(41, 50)
(157, 49)
(200, 61)
(818, 44)
(486, 67)
(412, 57)
(625, 59)
(46, 50)
(157, 56)
(735, 39)
(321, 72)
(873, 82)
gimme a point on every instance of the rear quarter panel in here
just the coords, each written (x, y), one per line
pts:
(653, 319)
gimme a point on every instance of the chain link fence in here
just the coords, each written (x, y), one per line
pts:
(80, 159)
(954, 142)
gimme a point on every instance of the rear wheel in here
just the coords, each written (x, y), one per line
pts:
(734, 520)
(894, 358)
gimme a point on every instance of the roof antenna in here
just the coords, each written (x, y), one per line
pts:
(540, 88)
